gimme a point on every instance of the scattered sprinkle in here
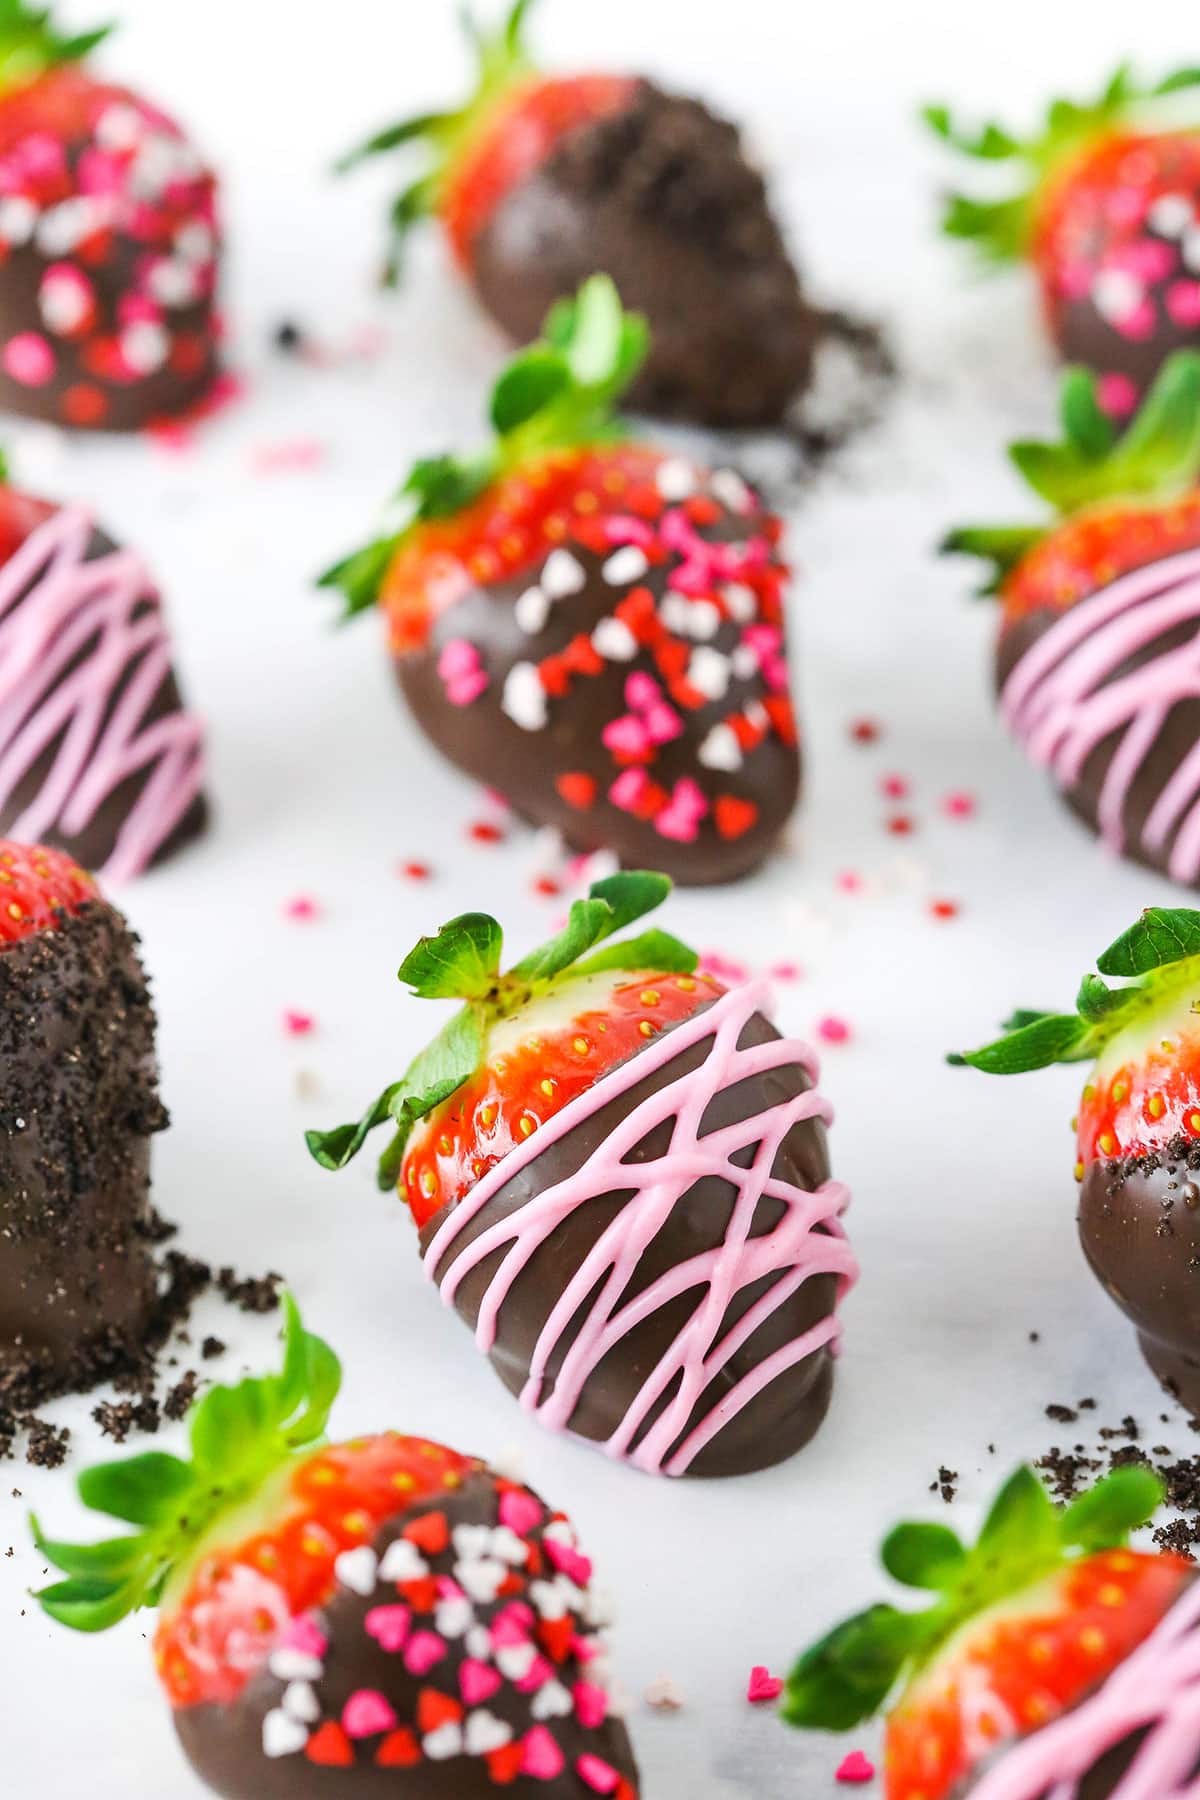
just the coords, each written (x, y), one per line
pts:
(724, 968)
(832, 1030)
(483, 831)
(785, 971)
(959, 805)
(663, 1695)
(944, 909)
(415, 871)
(865, 731)
(855, 1767)
(900, 824)
(895, 787)
(298, 1024)
(302, 907)
(763, 1686)
(850, 882)
(287, 457)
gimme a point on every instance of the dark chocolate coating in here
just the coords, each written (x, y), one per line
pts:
(78, 1106)
(523, 764)
(1139, 1223)
(660, 196)
(779, 1420)
(1085, 336)
(224, 1743)
(1177, 738)
(93, 846)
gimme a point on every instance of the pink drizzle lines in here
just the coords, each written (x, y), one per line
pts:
(808, 1240)
(54, 604)
(1158, 1687)
(1062, 699)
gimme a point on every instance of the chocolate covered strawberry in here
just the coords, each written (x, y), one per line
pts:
(540, 181)
(1101, 613)
(619, 1174)
(1106, 207)
(108, 240)
(80, 1106)
(1050, 1660)
(377, 1617)
(1137, 1130)
(97, 752)
(591, 625)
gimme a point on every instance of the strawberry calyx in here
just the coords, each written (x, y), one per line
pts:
(30, 44)
(462, 961)
(558, 394)
(853, 1672)
(239, 1438)
(1155, 460)
(1004, 230)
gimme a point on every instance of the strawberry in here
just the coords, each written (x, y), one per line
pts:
(1007, 1683)
(1106, 207)
(536, 1124)
(1100, 611)
(540, 181)
(108, 240)
(39, 890)
(592, 625)
(1137, 1128)
(379, 1604)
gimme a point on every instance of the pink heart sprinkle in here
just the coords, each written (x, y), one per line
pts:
(536, 1675)
(298, 1024)
(856, 1767)
(366, 1714)
(623, 529)
(600, 1776)
(591, 1705)
(569, 1562)
(305, 1635)
(29, 359)
(477, 1682)
(520, 1512)
(507, 1630)
(641, 691)
(1183, 303)
(458, 657)
(461, 690)
(626, 736)
(388, 1625)
(763, 1685)
(425, 1649)
(832, 1030)
(302, 908)
(540, 1755)
(663, 723)
(627, 790)
(1139, 323)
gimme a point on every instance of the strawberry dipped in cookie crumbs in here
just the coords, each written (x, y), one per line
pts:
(1104, 203)
(1137, 1129)
(80, 1106)
(619, 1175)
(540, 181)
(1051, 1661)
(1099, 635)
(590, 625)
(108, 241)
(382, 1617)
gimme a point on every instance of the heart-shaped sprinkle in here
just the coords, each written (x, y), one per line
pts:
(510, 1547)
(478, 1642)
(516, 1660)
(399, 1750)
(536, 1676)
(562, 575)
(520, 1512)
(358, 1570)
(471, 1542)
(531, 611)
(367, 1713)
(329, 1747)
(600, 1776)
(477, 1682)
(591, 1705)
(402, 1561)
(720, 749)
(484, 1733)
(763, 1685)
(625, 566)
(425, 1649)
(551, 1701)
(557, 1637)
(540, 1755)
(294, 1665)
(300, 1702)
(854, 1768)
(435, 1710)
(442, 1744)
(504, 1765)
(281, 1734)
(305, 1634)
(389, 1626)
(734, 816)
(483, 1579)
(524, 698)
(454, 1616)
(663, 1695)
(548, 1598)
(576, 1567)
(430, 1533)
(613, 640)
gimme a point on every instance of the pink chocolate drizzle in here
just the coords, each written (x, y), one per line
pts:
(1064, 698)
(57, 606)
(1156, 1689)
(808, 1240)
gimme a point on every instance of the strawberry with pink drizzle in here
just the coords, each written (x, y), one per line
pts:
(590, 625)
(619, 1173)
(108, 241)
(1098, 656)
(1137, 1129)
(380, 1617)
(97, 751)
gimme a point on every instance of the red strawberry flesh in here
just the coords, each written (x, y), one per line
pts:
(39, 888)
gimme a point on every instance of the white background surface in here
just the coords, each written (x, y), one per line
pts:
(963, 1214)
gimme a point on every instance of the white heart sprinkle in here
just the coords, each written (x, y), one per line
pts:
(482, 1580)
(300, 1702)
(358, 1569)
(744, 662)
(758, 715)
(548, 1600)
(709, 670)
(613, 640)
(560, 1531)
(551, 1702)
(1116, 293)
(454, 1616)
(720, 749)
(662, 1694)
(524, 697)
(119, 127)
(731, 490)
(562, 575)
(509, 1547)
(294, 1665)
(282, 1736)
(1191, 251)
(532, 610)
(704, 619)
(625, 565)
(740, 600)
(402, 1561)
(676, 479)
(514, 1661)
(443, 1743)
(1171, 215)
(485, 1732)
(674, 610)
(472, 1541)
(478, 1642)
(598, 1608)
(18, 218)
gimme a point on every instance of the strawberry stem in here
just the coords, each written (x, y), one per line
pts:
(30, 45)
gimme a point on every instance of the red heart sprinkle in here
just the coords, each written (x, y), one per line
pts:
(734, 817)
(399, 1750)
(330, 1747)
(430, 1533)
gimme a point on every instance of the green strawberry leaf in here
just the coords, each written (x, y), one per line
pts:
(1021, 1526)
(1087, 426)
(1103, 1517)
(631, 894)
(588, 921)
(30, 44)
(461, 962)
(650, 950)
(143, 1490)
(1096, 1000)
(1004, 546)
(990, 142)
(333, 1149)
(1162, 936)
(1052, 1038)
(528, 385)
(88, 1604)
(923, 1556)
(1177, 82)
(111, 1561)
(440, 1070)
(847, 1676)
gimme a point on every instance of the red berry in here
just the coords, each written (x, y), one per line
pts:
(38, 889)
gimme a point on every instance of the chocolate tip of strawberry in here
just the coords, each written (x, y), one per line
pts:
(1143, 958)
(462, 961)
(559, 393)
(850, 1673)
(238, 1435)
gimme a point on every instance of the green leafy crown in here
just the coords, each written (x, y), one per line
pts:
(558, 393)
(463, 963)
(29, 43)
(238, 1437)
(1002, 230)
(848, 1676)
(1156, 458)
(1149, 956)
(502, 64)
